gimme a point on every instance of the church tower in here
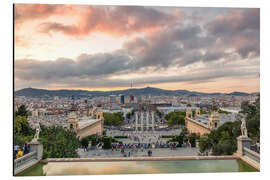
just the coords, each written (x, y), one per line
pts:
(214, 121)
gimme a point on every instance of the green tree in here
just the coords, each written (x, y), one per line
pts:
(107, 142)
(113, 119)
(21, 126)
(252, 112)
(204, 144)
(180, 139)
(192, 139)
(84, 141)
(22, 131)
(175, 118)
(58, 142)
(22, 111)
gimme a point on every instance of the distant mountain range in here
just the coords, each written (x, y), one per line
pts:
(32, 92)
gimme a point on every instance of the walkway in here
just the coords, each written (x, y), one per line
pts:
(159, 152)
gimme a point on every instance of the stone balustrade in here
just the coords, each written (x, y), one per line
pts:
(21, 162)
(251, 154)
(30, 159)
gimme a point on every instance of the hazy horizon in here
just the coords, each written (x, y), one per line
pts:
(134, 88)
(102, 48)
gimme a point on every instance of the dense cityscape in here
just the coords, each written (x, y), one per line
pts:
(54, 110)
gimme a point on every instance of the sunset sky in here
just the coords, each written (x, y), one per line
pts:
(107, 47)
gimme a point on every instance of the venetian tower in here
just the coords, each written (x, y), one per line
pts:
(188, 113)
(99, 115)
(73, 124)
(214, 121)
(197, 112)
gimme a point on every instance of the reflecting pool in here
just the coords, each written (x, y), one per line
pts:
(145, 167)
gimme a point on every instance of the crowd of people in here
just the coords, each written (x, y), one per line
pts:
(20, 151)
(135, 147)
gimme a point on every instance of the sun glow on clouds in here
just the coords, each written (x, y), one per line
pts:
(202, 49)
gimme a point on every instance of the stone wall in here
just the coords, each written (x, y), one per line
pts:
(195, 127)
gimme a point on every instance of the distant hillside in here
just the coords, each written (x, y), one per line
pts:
(238, 94)
(32, 92)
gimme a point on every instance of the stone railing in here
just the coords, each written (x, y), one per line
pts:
(246, 154)
(30, 159)
(251, 154)
(18, 163)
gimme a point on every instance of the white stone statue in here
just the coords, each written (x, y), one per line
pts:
(36, 137)
(244, 128)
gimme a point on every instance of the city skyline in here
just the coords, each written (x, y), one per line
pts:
(107, 47)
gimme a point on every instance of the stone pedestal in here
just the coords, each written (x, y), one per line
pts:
(242, 141)
(38, 147)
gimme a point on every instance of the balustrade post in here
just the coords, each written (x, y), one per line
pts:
(242, 141)
(38, 147)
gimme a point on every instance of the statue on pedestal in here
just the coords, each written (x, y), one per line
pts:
(36, 137)
(244, 128)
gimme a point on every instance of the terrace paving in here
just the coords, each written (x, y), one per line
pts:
(158, 152)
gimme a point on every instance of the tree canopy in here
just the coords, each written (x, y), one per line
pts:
(113, 119)
(22, 111)
(252, 112)
(22, 131)
(58, 142)
(176, 118)
(223, 141)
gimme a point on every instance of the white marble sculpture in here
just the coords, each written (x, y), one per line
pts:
(244, 128)
(36, 137)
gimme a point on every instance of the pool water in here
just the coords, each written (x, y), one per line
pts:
(145, 167)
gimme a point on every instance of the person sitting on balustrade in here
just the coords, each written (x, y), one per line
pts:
(19, 154)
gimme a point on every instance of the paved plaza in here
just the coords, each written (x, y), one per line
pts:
(143, 137)
(159, 152)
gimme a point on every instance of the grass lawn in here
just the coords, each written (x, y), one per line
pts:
(36, 170)
(244, 167)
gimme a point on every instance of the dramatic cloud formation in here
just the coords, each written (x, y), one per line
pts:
(162, 47)
(28, 12)
(239, 29)
(113, 20)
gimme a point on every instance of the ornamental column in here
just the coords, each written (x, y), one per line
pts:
(147, 120)
(153, 120)
(142, 118)
(136, 121)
